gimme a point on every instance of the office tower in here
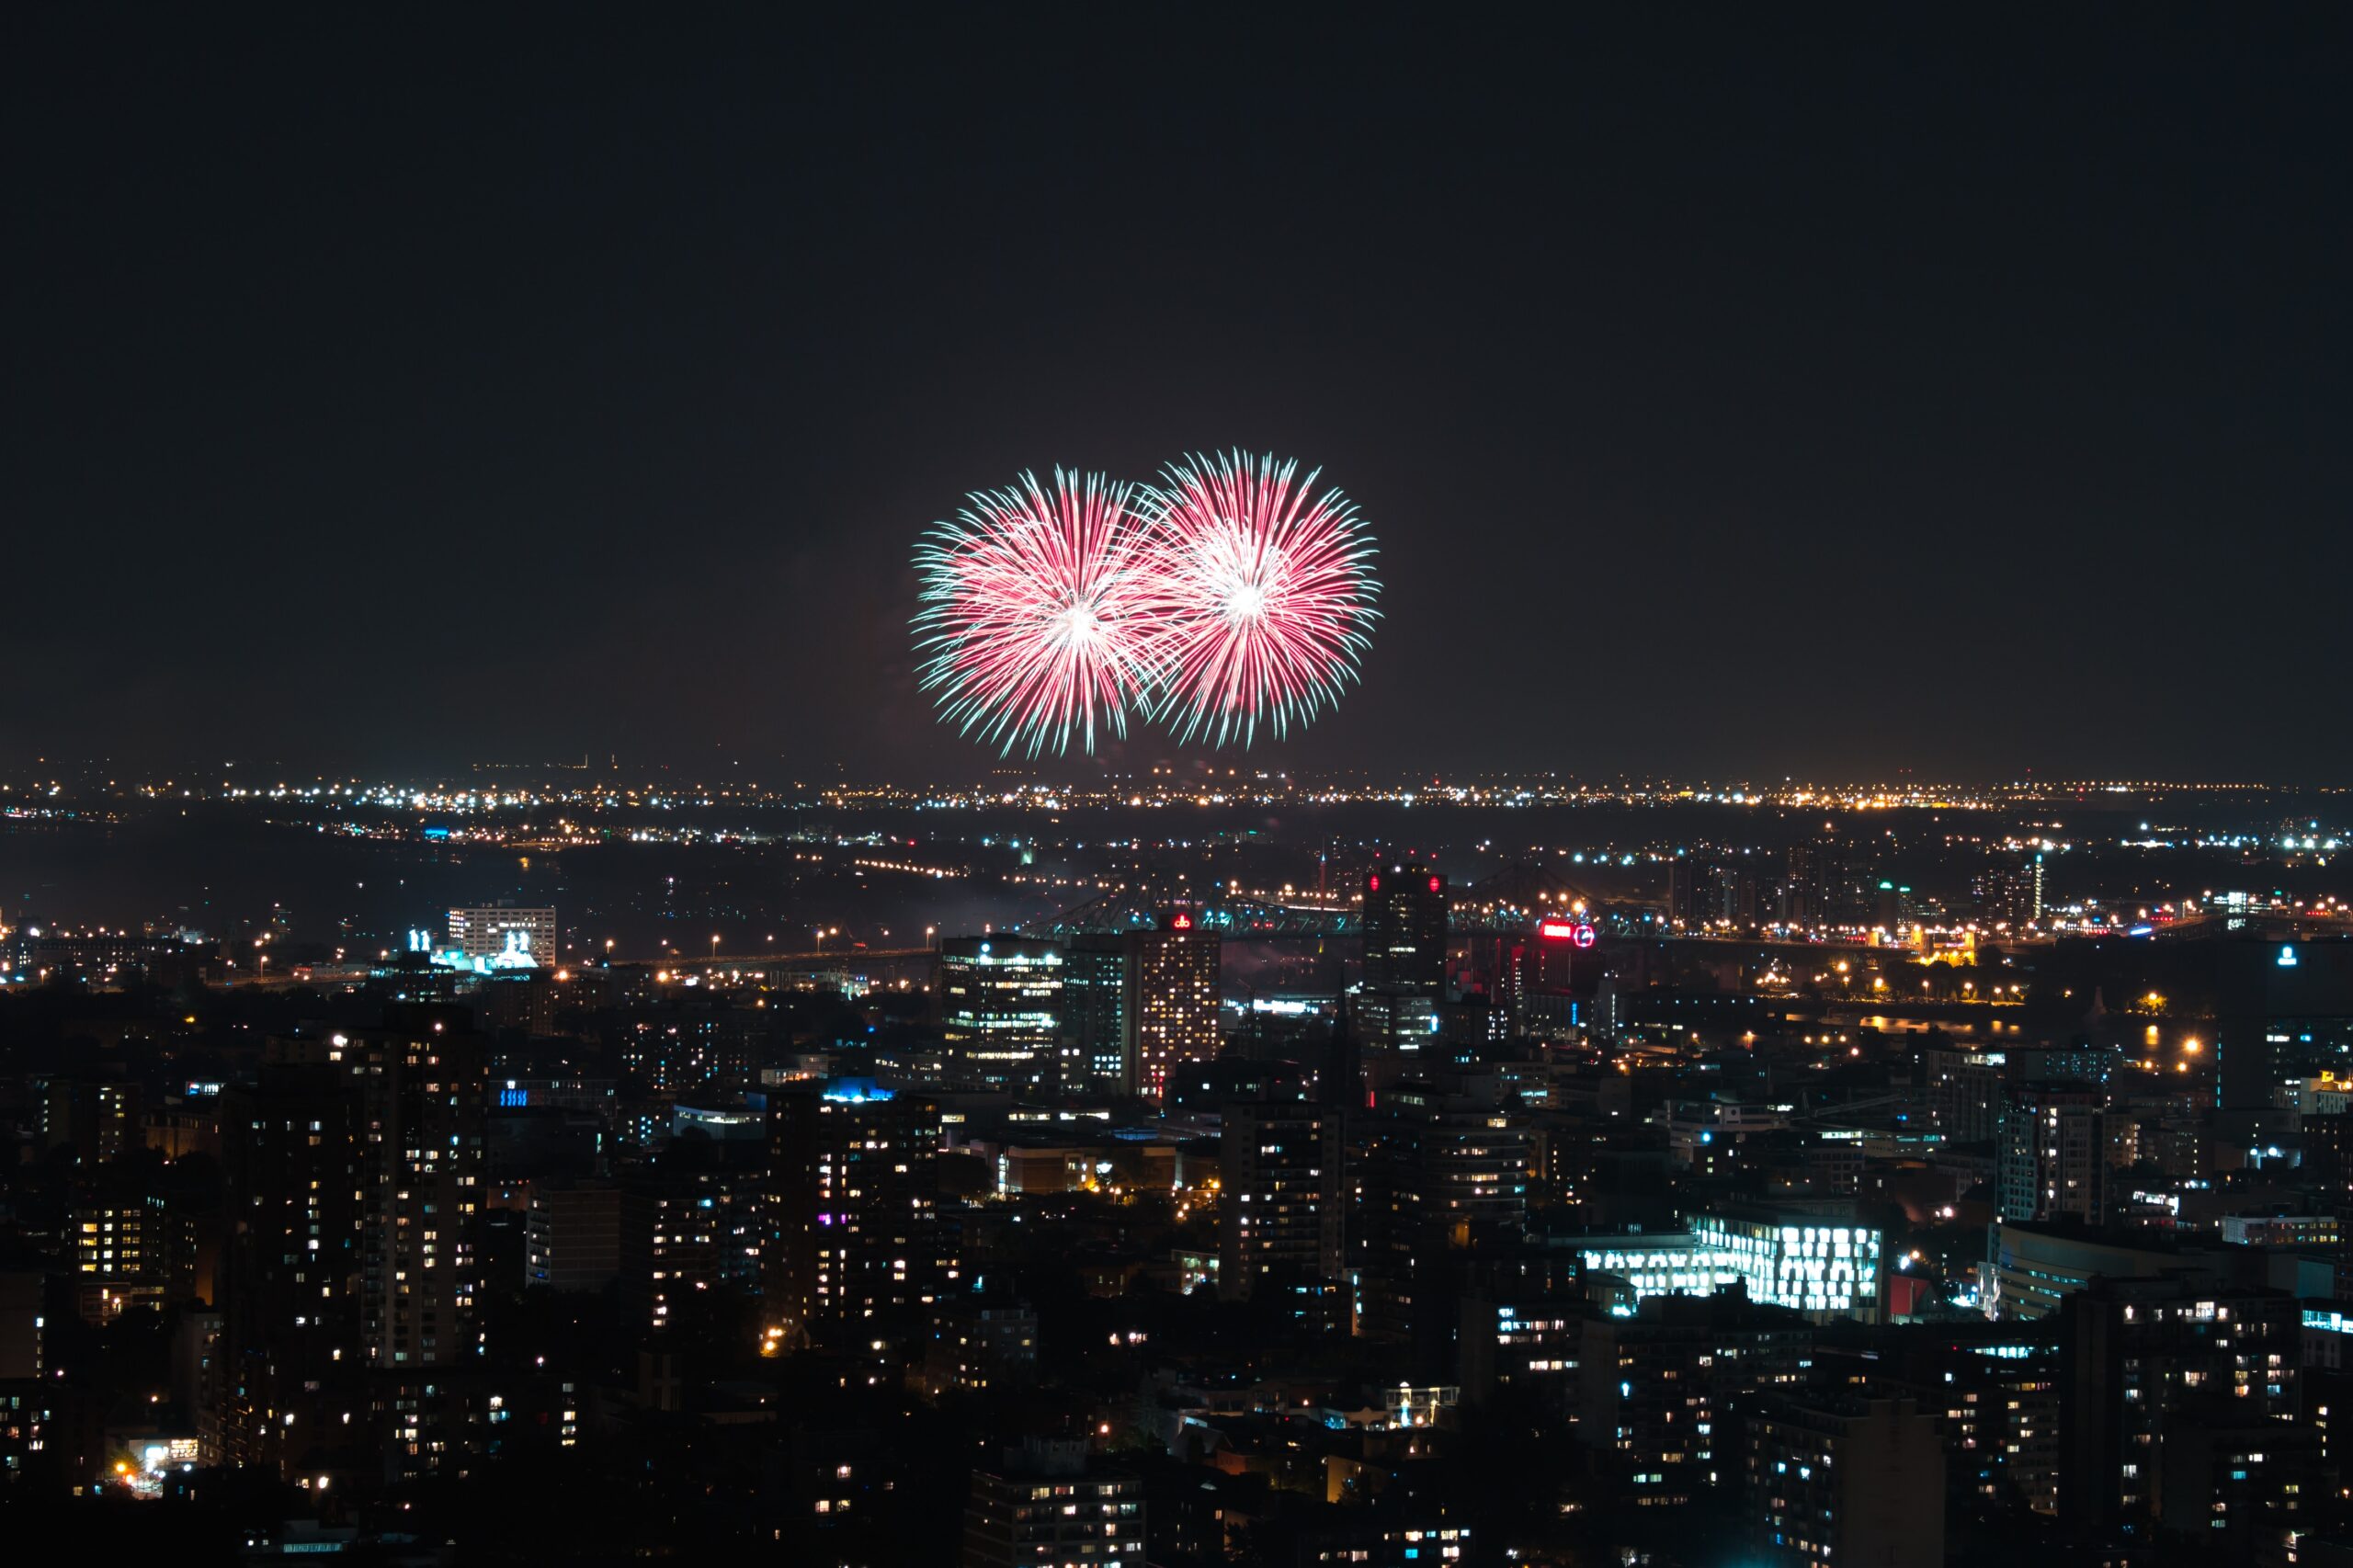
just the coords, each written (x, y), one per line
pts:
(1405, 956)
(2145, 1361)
(1045, 1507)
(1093, 1039)
(1271, 1198)
(1000, 1009)
(502, 936)
(1832, 1481)
(1657, 1387)
(1172, 1001)
(422, 1078)
(853, 1237)
(295, 1162)
(2053, 1152)
(572, 1237)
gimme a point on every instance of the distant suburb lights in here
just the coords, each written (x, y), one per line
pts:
(1225, 596)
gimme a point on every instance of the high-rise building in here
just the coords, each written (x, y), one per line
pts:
(1993, 1389)
(2053, 1152)
(295, 1164)
(1656, 1387)
(1134, 1002)
(1172, 1002)
(2283, 1013)
(975, 1347)
(2143, 1361)
(2009, 889)
(1046, 1507)
(669, 1247)
(572, 1238)
(1093, 1037)
(1404, 931)
(1706, 894)
(1964, 1094)
(96, 1114)
(1429, 1180)
(1522, 1328)
(1830, 881)
(1000, 1009)
(1404, 957)
(422, 1076)
(131, 1247)
(1833, 1482)
(1271, 1200)
(675, 1050)
(1804, 898)
(853, 1234)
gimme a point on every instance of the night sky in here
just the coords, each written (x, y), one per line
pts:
(1731, 393)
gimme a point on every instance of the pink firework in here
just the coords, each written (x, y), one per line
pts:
(1035, 609)
(1263, 595)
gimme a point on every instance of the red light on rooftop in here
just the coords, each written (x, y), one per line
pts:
(1434, 884)
(1180, 922)
(1372, 883)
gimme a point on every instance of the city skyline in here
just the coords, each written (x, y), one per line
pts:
(1185, 786)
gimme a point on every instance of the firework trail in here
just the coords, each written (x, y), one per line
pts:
(1260, 595)
(1035, 613)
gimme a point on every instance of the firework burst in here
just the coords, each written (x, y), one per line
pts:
(1261, 595)
(1036, 613)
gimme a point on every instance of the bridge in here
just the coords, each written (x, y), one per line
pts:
(1238, 918)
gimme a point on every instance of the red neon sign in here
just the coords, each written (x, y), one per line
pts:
(1576, 931)
(1180, 922)
(1434, 884)
(1372, 883)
